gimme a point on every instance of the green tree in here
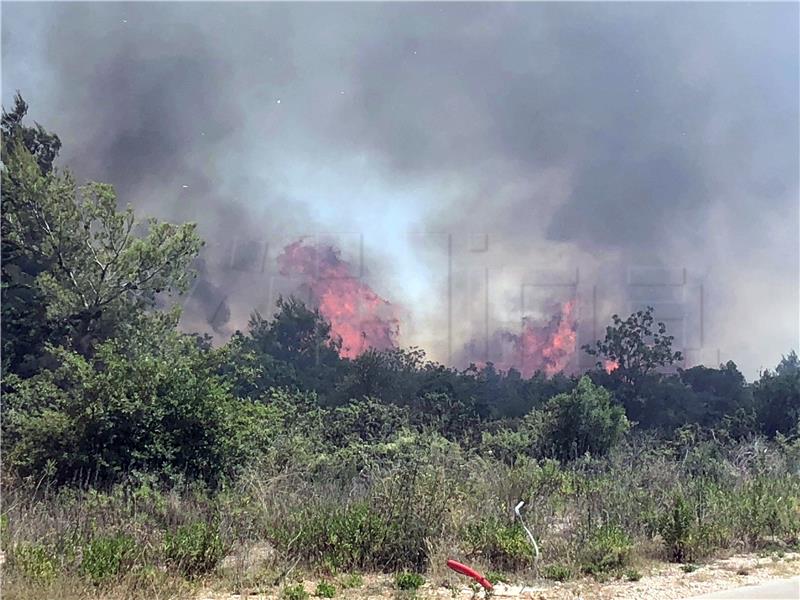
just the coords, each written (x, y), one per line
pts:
(90, 268)
(294, 349)
(633, 347)
(722, 393)
(24, 320)
(583, 420)
(777, 396)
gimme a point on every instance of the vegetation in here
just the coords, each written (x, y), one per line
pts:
(136, 456)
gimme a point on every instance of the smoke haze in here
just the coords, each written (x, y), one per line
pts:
(477, 163)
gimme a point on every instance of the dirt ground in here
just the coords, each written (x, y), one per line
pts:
(659, 581)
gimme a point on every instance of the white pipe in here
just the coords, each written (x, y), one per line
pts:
(528, 531)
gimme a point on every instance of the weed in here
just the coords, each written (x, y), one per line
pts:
(506, 545)
(684, 540)
(632, 575)
(106, 557)
(35, 561)
(294, 592)
(352, 581)
(495, 577)
(325, 589)
(608, 549)
(406, 580)
(194, 549)
(558, 572)
(689, 568)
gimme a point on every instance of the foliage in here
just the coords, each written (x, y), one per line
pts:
(583, 421)
(88, 270)
(352, 581)
(634, 347)
(777, 396)
(504, 544)
(558, 572)
(106, 557)
(294, 592)
(35, 561)
(194, 549)
(143, 405)
(406, 580)
(632, 575)
(608, 549)
(325, 589)
(682, 537)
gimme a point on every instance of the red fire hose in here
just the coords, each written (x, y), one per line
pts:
(469, 572)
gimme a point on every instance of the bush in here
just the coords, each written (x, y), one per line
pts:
(325, 589)
(377, 531)
(505, 545)
(496, 577)
(406, 580)
(294, 592)
(632, 575)
(35, 562)
(106, 557)
(354, 580)
(558, 572)
(583, 421)
(194, 549)
(607, 550)
(689, 568)
(682, 537)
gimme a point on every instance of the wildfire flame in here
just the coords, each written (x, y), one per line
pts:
(358, 316)
(548, 348)
(610, 365)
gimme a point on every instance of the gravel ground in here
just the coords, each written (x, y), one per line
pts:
(659, 582)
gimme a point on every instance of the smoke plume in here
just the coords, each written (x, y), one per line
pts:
(512, 140)
(359, 318)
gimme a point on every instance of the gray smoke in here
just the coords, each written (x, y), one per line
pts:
(626, 141)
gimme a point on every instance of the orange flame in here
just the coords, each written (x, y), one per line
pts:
(548, 348)
(358, 316)
(610, 365)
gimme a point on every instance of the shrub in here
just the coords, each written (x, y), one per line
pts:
(351, 581)
(558, 572)
(325, 589)
(378, 531)
(684, 539)
(194, 549)
(294, 592)
(407, 580)
(584, 420)
(689, 568)
(608, 549)
(35, 561)
(106, 557)
(506, 545)
(632, 575)
(495, 577)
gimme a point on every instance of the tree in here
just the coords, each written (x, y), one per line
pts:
(585, 420)
(722, 392)
(294, 350)
(23, 309)
(74, 268)
(631, 348)
(41, 144)
(777, 396)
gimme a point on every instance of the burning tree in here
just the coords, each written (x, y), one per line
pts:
(632, 349)
(359, 318)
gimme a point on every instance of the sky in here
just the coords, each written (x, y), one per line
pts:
(477, 162)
